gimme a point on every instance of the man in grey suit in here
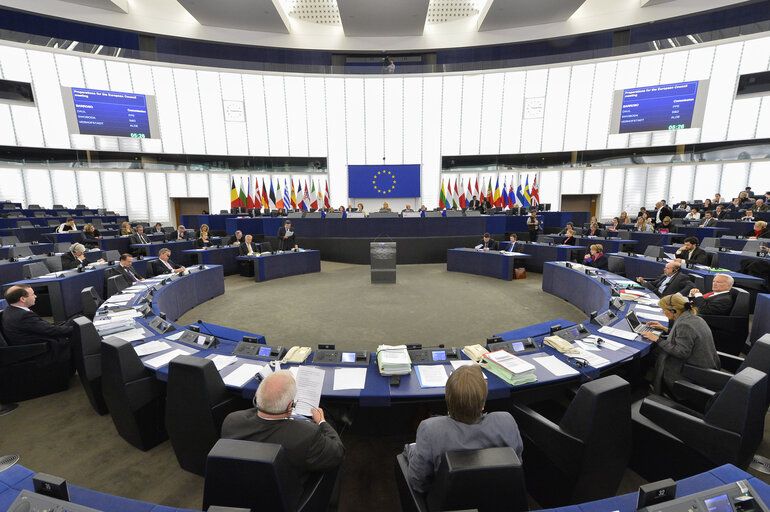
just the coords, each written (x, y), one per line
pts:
(709, 221)
(671, 281)
(310, 446)
(466, 428)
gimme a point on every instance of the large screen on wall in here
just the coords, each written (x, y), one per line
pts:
(110, 113)
(659, 107)
(383, 181)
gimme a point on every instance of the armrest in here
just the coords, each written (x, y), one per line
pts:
(417, 500)
(17, 353)
(727, 323)
(711, 379)
(562, 448)
(730, 362)
(692, 395)
(141, 392)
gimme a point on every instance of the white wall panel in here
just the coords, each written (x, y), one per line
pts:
(612, 194)
(113, 191)
(296, 115)
(316, 115)
(48, 97)
(95, 74)
(592, 181)
(548, 187)
(275, 109)
(119, 76)
(721, 91)
(70, 70)
(707, 178)
(572, 181)
(354, 116)
(198, 185)
(431, 141)
(745, 111)
(412, 112)
(491, 113)
(532, 129)
(699, 63)
(657, 185)
(373, 120)
(235, 131)
(393, 111)
(578, 109)
(735, 178)
(157, 197)
(681, 184)
(513, 107)
(137, 205)
(604, 83)
(7, 135)
(556, 108)
(763, 120)
(13, 186)
(759, 177)
(90, 186)
(212, 112)
(451, 99)
(186, 83)
(470, 125)
(634, 190)
(674, 67)
(219, 192)
(168, 109)
(336, 130)
(649, 70)
(65, 188)
(256, 120)
(38, 185)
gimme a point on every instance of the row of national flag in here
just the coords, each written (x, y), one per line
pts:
(260, 196)
(460, 194)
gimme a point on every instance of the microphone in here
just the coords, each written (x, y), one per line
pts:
(208, 331)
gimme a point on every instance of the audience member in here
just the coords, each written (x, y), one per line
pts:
(158, 229)
(643, 224)
(488, 243)
(570, 240)
(683, 206)
(125, 268)
(694, 214)
(68, 225)
(91, 236)
(179, 234)
(75, 257)
(568, 227)
(720, 213)
(22, 326)
(760, 206)
(139, 237)
(735, 205)
(474, 204)
(748, 217)
(691, 253)
(760, 230)
(670, 282)
(597, 258)
(615, 224)
(663, 211)
(717, 198)
(593, 230)
(236, 239)
(707, 204)
(709, 220)
(718, 301)
(248, 248)
(164, 265)
(666, 226)
(624, 218)
(125, 229)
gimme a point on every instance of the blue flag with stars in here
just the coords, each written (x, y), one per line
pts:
(383, 181)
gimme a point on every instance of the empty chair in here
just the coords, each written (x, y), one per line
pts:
(461, 476)
(115, 284)
(731, 331)
(8, 240)
(265, 247)
(709, 241)
(544, 239)
(334, 215)
(672, 441)
(134, 397)
(616, 265)
(90, 301)
(20, 251)
(53, 223)
(87, 356)
(97, 223)
(23, 224)
(295, 215)
(256, 475)
(61, 246)
(34, 207)
(653, 251)
(32, 270)
(197, 403)
(112, 255)
(586, 452)
(53, 263)
(80, 207)
(58, 206)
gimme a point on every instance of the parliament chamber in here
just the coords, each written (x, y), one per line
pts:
(551, 214)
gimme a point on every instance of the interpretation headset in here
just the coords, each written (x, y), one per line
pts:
(289, 409)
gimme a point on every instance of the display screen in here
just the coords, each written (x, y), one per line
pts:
(659, 107)
(264, 351)
(348, 357)
(518, 346)
(110, 113)
(719, 504)
(439, 355)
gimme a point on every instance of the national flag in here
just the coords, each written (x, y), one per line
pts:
(490, 194)
(511, 196)
(327, 197)
(265, 197)
(299, 196)
(469, 195)
(306, 197)
(277, 197)
(314, 196)
(234, 199)
(455, 196)
(242, 196)
(535, 192)
(498, 198)
(480, 193)
(463, 204)
(442, 197)
(526, 191)
(504, 198)
(249, 197)
(293, 196)
(477, 186)
(285, 194)
(257, 196)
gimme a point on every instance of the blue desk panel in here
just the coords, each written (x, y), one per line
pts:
(224, 256)
(483, 263)
(701, 233)
(177, 249)
(647, 239)
(542, 253)
(737, 227)
(186, 292)
(274, 266)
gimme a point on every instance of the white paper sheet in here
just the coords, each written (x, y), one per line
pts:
(553, 365)
(586, 346)
(221, 361)
(648, 309)
(131, 334)
(175, 336)
(612, 331)
(151, 347)
(310, 383)
(465, 362)
(241, 375)
(652, 316)
(593, 359)
(432, 375)
(349, 378)
(164, 359)
(612, 345)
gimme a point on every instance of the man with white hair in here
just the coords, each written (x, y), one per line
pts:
(310, 446)
(75, 257)
(718, 301)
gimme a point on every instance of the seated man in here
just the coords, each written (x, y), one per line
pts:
(474, 204)
(735, 205)
(568, 227)
(467, 427)
(488, 243)
(179, 234)
(693, 215)
(68, 225)
(125, 269)
(670, 282)
(139, 237)
(158, 229)
(709, 221)
(248, 248)
(749, 216)
(75, 257)
(236, 239)
(720, 213)
(309, 446)
(408, 208)
(163, 265)
(719, 301)
(21, 326)
(692, 253)
(512, 239)
(760, 206)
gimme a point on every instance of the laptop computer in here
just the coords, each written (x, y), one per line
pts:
(638, 327)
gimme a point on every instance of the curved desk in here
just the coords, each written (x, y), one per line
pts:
(275, 266)
(484, 263)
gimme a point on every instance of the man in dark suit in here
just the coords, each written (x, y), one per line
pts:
(310, 446)
(236, 239)
(709, 221)
(163, 265)
(248, 248)
(179, 234)
(692, 253)
(139, 237)
(735, 205)
(664, 211)
(718, 301)
(670, 282)
(287, 239)
(487, 243)
(474, 204)
(75, 257)
(158, 229)
(125, 269)
(21, 326)
(720, 213)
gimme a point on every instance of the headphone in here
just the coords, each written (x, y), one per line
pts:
(289, 409)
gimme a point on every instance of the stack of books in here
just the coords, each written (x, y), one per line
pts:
(513, 370)
(393, 360)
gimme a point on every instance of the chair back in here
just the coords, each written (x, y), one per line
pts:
(97, 223)
(53, 263)
(20, 251)
(741, 301)
(709, 241)
(698, 282)
(653, 251)
(35, 269)
(90, 301)
(61, 247)
(23, 224)
(490, 479)
(87, 356)
(112, 255)
(616, 265)
(115, 284)
(9, 240)
(265, 247)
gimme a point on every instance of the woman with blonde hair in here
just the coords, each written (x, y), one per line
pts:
(125, 229)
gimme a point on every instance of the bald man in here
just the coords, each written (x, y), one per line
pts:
(310, 446)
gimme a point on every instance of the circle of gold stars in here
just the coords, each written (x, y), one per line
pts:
(385, 190)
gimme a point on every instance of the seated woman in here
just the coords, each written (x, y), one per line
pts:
(643, 224)
(596, 258)
(594, 230)
(466, 427)
(689, 341)
(361, 208)
(204, 229)
(568, 227)
(682, 206)
(125, 229)
(760, 230)
(92, 236)
(570, 240)
(203, 240)
(707, 204)
(624, 218)
(666, 226)
(385, 207)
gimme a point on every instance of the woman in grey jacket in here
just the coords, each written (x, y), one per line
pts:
(689, 341)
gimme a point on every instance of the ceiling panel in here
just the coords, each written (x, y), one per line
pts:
(111, 5)
(520, 13)
(376, 18)
(240, 14)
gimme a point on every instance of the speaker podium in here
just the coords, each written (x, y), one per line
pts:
(383, 262)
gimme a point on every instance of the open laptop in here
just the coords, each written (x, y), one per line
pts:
(638, 327)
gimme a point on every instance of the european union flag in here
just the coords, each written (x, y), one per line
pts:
(383, 181)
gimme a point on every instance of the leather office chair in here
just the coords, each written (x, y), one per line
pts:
(97, 223)
(33, 207)
(586, 452)
(87, 356)
(257, 476)
(34, 269)
(90, 301)
(616, 265)
(134, 397)
(115, 284)
(59, 207)
(112, 255)
(31, 370)
(731, 331)
(672, 441)
(61, 247)
(462, 476)
(19, 251)
(197, 403)
(8, 240)
(53, 263)
(653, 251)
(51, 223)
(23, 224)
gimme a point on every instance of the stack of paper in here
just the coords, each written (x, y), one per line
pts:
(627, 294)
(431, 375)
(109, 325)
(393, 360)
(510, 368)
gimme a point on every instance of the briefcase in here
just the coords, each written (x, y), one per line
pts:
(520, 273)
